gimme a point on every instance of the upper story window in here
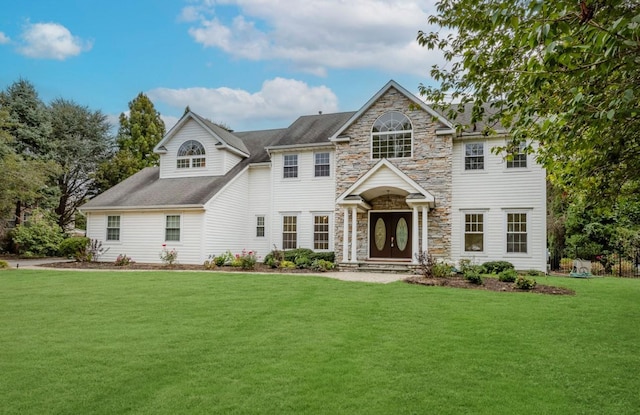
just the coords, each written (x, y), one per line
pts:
(191, 154)
(518, 157)
(290, 166)
(392, 136)
(322, 165)
(474, 156)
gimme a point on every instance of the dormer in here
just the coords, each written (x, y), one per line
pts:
(197, 147)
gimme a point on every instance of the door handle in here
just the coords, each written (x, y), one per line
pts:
(392, 240)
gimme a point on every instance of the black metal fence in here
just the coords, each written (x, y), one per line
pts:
(617, 264)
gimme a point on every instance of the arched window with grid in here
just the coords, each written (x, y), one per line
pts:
(191, 154)
(392, 136)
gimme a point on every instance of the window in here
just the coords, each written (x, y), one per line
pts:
(289, 232)
(113, 228)
(322, 165)
(516, 232)
(474, 232)
(290, 166)
(260, 226)
(172, 229)
(474, 156)
(191, 154)
(518, 157)
(321, 232)
(391, 136)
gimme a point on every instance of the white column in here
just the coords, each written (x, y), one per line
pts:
(415, 237)
(354, 234)
(425, 230)
(345, 236)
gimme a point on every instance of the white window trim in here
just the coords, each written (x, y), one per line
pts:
(464, 157)
(164, 230)
(371, 135)
(190, 158)
(297, 165)
(106, 230)
(264, 226)
(313, 230)
(518, 169)
(506, 212)
(484, 213)
(330, 165)
(297, 216)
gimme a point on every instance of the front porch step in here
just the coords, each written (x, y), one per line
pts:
(378, 266)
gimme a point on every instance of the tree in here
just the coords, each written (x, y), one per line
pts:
(565, 74)
(80, 143)
(137, 136)
(27, 119)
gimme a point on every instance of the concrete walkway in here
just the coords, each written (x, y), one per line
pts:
(380, 278)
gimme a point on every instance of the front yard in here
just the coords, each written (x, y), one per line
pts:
(181, 342)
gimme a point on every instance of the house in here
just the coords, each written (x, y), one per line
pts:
(380, 184)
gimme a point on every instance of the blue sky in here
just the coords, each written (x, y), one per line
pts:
(250, 64)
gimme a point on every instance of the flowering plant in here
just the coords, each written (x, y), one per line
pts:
(168, 256)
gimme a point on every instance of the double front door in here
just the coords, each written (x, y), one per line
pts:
(390, 235)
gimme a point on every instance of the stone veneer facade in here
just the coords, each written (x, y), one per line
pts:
(430, 167)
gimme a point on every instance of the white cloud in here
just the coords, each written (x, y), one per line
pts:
(4, 38)
(51, 41)
(279, 102)
(315, 36)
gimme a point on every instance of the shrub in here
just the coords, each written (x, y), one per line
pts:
(508, 275)
(168, 257)
(597, 268)
(4, 264)
(566, 265)
(40, 236)
(287, 265)
(300, 257)
(247, 259)
(432, 268)
(94, 250)
(74, 247)
(524, 283)
(122, 260)
(496, 267)
(464, 264)
(302, 262)
(474, 276)
(322, 265)
(535, 273)
(210, 262)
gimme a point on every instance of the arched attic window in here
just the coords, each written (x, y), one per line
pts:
(392, 136)
(191, 154)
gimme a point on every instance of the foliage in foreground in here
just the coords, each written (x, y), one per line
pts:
(564, 74)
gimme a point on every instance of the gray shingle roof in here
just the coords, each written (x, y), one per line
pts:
(225, 135)
(313, 129)
(464, 115)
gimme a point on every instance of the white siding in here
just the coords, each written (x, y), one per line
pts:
(142, 235)
(302, 197)
(495, 191)
(259, 203)
(226, 225)
(219, 161)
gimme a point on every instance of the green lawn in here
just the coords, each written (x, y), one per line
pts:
(176, 342)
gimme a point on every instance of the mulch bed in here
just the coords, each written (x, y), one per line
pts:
(489, 284)
(163, 267)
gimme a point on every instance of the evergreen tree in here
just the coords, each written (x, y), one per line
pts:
(137, 136)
